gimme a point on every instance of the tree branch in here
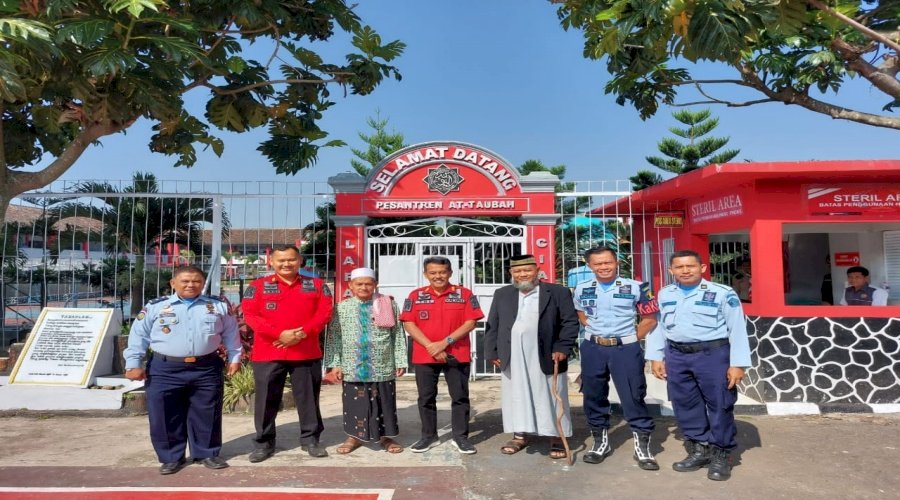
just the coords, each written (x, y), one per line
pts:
(791, 96)
(25, 181)
(884, 81)
(865, 30)
(221, 91)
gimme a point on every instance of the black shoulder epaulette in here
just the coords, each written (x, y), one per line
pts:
(213, 298)
(158, 299)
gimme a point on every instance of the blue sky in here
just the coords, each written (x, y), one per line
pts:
(504, 75)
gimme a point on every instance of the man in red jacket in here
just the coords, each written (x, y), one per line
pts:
(287, 312)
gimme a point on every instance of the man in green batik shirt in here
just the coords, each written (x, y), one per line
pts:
(366, 351)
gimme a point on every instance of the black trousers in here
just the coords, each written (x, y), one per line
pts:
(306, 383)
(457, 382)
(184, 405)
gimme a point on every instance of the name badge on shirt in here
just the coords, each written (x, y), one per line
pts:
(625, 289)
(424, 298)
(623, 296)
(270, 288)
(709, 296)
(454, 298)
(308, 286)
(589, 293)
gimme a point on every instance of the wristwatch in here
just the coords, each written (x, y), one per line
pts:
(450, 340)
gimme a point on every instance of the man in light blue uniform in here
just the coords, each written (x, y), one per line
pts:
(700, 346)
(607, 306)
(184, 375)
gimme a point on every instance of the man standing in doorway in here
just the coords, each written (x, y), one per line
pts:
(439, 318)
(287, 313)
(607, 306)
(531, 326)
(700, 346)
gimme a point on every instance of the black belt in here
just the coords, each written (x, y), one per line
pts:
(692, 347)
(188, 359)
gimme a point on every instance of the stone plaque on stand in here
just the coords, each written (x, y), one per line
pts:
(68, 347)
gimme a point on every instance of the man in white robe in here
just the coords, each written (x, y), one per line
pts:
(531, 327)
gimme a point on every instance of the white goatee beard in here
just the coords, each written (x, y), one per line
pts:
(525, 286)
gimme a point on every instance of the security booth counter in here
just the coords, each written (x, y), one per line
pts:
(786, 234)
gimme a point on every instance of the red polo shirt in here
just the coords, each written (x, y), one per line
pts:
(437, 315)
(271, 306)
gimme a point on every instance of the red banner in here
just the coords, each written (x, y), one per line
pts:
(853, 199)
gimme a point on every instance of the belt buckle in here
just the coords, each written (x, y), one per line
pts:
(190, 359)
(607, 342)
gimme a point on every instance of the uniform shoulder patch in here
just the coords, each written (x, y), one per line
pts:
(473, 300)
(407, 305)
(249, 292)
(158, 299)
(213, 298)
(326, 291)
(733, 300)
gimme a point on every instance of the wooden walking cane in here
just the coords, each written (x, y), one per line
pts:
(560, 412)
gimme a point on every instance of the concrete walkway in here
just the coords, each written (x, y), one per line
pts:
(826, 456)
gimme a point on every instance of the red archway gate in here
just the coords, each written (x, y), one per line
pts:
(440, 180)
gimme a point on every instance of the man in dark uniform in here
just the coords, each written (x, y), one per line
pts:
(287, 313)
(606, 306)
(439, 318)
(860, 292)
(700, 346)
(184, 374)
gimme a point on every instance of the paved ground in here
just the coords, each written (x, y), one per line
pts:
(827, 456)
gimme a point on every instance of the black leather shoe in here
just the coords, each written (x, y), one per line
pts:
(719, 465)
(260, 454)
(212, 462)
(698, 456)
(172, 467)
(642, 454)
(314, 450)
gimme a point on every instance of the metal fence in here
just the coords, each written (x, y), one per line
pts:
(115, 244)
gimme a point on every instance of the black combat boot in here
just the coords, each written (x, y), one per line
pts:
(600, 448)
(719, 464)
(642, 453)
(698, 456)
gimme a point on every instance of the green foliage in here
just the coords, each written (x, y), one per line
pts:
(783, 49)
(239, 388)
(379, 143)
(697, 152)
(84, 70)
(644, 179)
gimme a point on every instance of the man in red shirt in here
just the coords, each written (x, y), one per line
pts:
(287, 312)
(439, 318)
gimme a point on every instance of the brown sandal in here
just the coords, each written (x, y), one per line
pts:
(514, 445)
(557, 450)
(349, 444)
(390, 445)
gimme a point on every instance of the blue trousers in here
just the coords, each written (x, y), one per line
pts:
(698, 389)
(184, 404)
(625, 364)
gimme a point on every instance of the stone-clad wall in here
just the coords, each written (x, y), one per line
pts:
(824, 360)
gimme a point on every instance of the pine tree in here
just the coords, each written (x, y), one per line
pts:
(644, 179)
(380, 142)
(699, 151)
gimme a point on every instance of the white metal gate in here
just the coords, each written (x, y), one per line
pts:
(477, 249)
